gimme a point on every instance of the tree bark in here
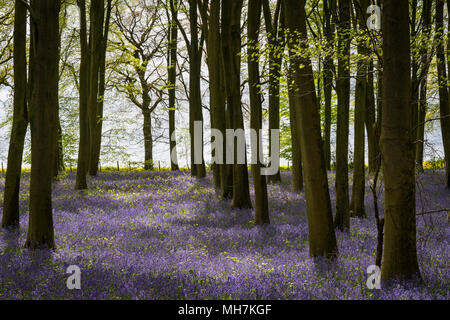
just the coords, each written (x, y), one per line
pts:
(297, 170)
(322, 240)
(59, 158)
(342, 218)
(329, 6)
(370, 119)
(20, 120)
(43, 122)
(443, 88)
(195, 98)
(260, 183)
(358, 190)
(276, 46)
(399, 252)
(217, 97)
(97, 142)
(148, 140)
(231, 42)
(173, 49)
(418, 121)
(83, 149)
(97, 14)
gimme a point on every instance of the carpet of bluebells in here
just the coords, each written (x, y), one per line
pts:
(164, 235)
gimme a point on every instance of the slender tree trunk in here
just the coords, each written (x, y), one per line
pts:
(101, 92)
(297, 170)
(226, 185)
(59, 158)
(329, 6)
(419, 127)
(43, 122)
(261, 201)
(342, 218)
(443, 88)
(217, 96)
(370, 119)
(275, 40)
(96, 46)
(322, 240)
(20, 120)
(173, 49)
(83, 149)
(195, 98)
(358, 190)
(414, 75)
(399, 252)
(148, 140)
(231, 17)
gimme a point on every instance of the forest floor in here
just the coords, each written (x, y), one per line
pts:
(163, 235)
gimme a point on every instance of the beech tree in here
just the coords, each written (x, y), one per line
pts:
(98, 37)
(43, 121)
(329, 6)
(20, 120)
(212, 32)
(361, 97)
(275, 39)
(83, 149)
(261, 201)
(418, 118)
(322, 239)
(397, 148)
(443, 88)
(172, 78)
(231, 49)
(140, 43)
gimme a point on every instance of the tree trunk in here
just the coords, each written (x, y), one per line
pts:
(195, 97)
(443, 88)
(342, 218)
(217, 96)
(173, 48)
(261, 201)
(231, 40)
(419, 126)
(148, 140)
(275, 40)
(83, 149)
(329, 7)
(358, 190)
(59, 158)
(97, 142)
(414, 76)
(20, 120)
(399, 252)
(226, 185)
(297, 170)
(322, 240)
(370, 121)
(96, 45)
(43, 122)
